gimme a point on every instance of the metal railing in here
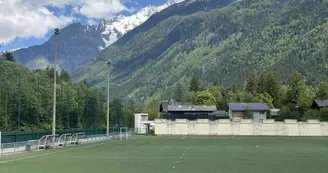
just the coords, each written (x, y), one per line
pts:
(11, 137)
(32, 145)
(18, 147)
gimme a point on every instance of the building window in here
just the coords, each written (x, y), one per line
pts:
(144, 118)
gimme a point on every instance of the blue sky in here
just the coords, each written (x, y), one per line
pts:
(34, 26)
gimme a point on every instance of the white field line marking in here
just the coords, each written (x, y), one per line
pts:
(46, 154)
(182, 154)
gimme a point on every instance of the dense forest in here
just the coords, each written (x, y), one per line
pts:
(26, 99)
(293, 99)
(225, 42)
(213, 53)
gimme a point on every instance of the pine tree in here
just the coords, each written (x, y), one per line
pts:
(217, 93)
(252, 82)
(9, 57)
(273, 87)
(295, 87)
(178, 94)
(262, 84)
(194, 84)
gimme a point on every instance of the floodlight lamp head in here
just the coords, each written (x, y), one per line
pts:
(57, 31)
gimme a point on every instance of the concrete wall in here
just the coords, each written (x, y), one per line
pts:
(243, 127)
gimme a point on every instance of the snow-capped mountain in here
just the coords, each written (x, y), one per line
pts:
(78, 44)
(112, 29)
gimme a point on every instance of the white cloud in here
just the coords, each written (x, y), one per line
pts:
(101, 8)
(25, 21)
(92, 22)
(32, 18)
(89, 8)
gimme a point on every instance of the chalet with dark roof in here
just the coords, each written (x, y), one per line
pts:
(259, 110)
(318, 104)
(185, 110)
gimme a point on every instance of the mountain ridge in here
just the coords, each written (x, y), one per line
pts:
(222, 44)
(79, 43)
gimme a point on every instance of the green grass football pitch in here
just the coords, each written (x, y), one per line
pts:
(180, 155)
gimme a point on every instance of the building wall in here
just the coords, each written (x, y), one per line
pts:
(259, 116)
(161, 127)
(256, 115)
(139, 118)
(237, 114)
(202, 127)
(241, 128)
(181, 127)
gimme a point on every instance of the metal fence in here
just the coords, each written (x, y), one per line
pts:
(18, 147)
(14, 137)
(90, 136)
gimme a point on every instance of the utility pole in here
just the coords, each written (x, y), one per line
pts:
(19, 101)
(38, 105)
(61, 115)
(78, 107)
(56, 33)
(68, 104)
(107, 129)
(0, 98)
(38, 100)
(6, 110)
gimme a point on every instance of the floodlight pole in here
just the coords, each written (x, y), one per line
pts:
(0, 92)
(56, 33)
(0, 105)
(108, 73)
(19, 101)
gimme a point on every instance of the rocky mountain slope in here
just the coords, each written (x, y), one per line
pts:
(217, 41)
(77, 43)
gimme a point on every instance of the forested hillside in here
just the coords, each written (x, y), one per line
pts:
(294, 99)
(223, 43)
(26, 99)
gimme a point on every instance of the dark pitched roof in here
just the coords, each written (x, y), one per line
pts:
(192, 108)
(321, 103)
(164, 105)
(180, 103)
(250, 106)
(220, 114)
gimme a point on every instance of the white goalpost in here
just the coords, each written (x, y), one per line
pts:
(271, 131)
